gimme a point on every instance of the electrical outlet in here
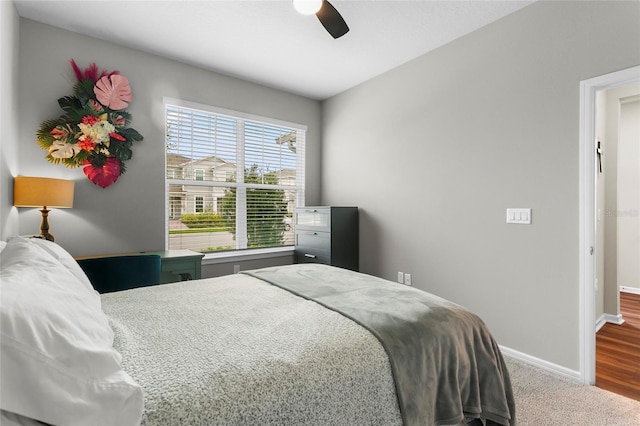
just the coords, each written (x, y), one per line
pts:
(400, 278)
(236, 269)
(407, 279)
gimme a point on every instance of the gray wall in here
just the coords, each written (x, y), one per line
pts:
(130, 214)
(434, 151)
(9, 26)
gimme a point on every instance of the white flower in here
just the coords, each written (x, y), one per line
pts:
(99, 132)
(59, 149)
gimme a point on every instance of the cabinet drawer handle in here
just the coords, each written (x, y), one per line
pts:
(312, 233)
(311, 211)
(311, 256)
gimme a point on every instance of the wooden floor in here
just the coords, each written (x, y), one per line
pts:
(618, 351)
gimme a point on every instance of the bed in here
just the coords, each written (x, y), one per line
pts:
(291, 345)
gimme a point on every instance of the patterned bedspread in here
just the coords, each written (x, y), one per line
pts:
(236, 350)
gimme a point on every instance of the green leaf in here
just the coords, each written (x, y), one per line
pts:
(67, 162)
(124, 114)
(75, 117)
(120, 151)
(69, 103)
(131, 134)
(81, 156)
(43, 134)
(84, 90)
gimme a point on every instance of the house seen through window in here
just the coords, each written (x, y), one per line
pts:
(233, 179)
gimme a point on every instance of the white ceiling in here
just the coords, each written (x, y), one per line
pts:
(268, 42)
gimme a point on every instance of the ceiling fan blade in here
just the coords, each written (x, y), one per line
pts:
(331, 19)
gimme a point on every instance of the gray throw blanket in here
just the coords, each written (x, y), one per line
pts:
(446, 365)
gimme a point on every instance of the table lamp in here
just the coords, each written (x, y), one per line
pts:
(43, 192)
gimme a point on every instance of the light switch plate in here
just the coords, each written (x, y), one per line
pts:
(519, 216)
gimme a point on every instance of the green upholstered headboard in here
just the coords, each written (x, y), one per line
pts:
(115, 273)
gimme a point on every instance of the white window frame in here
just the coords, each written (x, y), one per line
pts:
(241, 237)
(198, 200)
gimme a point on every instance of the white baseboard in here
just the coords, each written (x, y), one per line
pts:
(605, 318)
(615, 319)
(540, 363)
(558, 369)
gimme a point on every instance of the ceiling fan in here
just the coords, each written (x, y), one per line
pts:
(328, 16)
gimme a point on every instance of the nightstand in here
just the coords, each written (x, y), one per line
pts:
(179, 265)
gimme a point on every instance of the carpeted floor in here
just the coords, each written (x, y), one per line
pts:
(545, 399)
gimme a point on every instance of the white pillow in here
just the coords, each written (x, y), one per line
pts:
(57, 362)
(63, 257)
(13, 419)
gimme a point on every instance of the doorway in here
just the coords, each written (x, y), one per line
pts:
(617, 238)
(617, 128)
(589, 167)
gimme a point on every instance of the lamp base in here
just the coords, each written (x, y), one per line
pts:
(44, 226)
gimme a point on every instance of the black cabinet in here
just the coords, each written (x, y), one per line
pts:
(327, 235)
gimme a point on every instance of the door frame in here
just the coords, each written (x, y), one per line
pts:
(587, 223)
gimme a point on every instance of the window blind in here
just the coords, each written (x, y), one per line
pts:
(233, 180)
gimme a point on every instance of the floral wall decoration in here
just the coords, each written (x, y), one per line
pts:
(93, 131)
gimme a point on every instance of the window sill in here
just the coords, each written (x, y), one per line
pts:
(245, 255)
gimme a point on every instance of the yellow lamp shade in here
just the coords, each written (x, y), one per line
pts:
(42, 192)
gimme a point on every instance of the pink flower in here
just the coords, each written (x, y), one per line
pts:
(95, 106)
(60, 132)
(104, 175)
(113, 91)
(119, 121)
(117, 136)
(91, 72)
(90, 120)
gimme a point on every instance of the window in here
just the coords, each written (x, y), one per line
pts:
(199, 204)
(255, 178)
(175, 207)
